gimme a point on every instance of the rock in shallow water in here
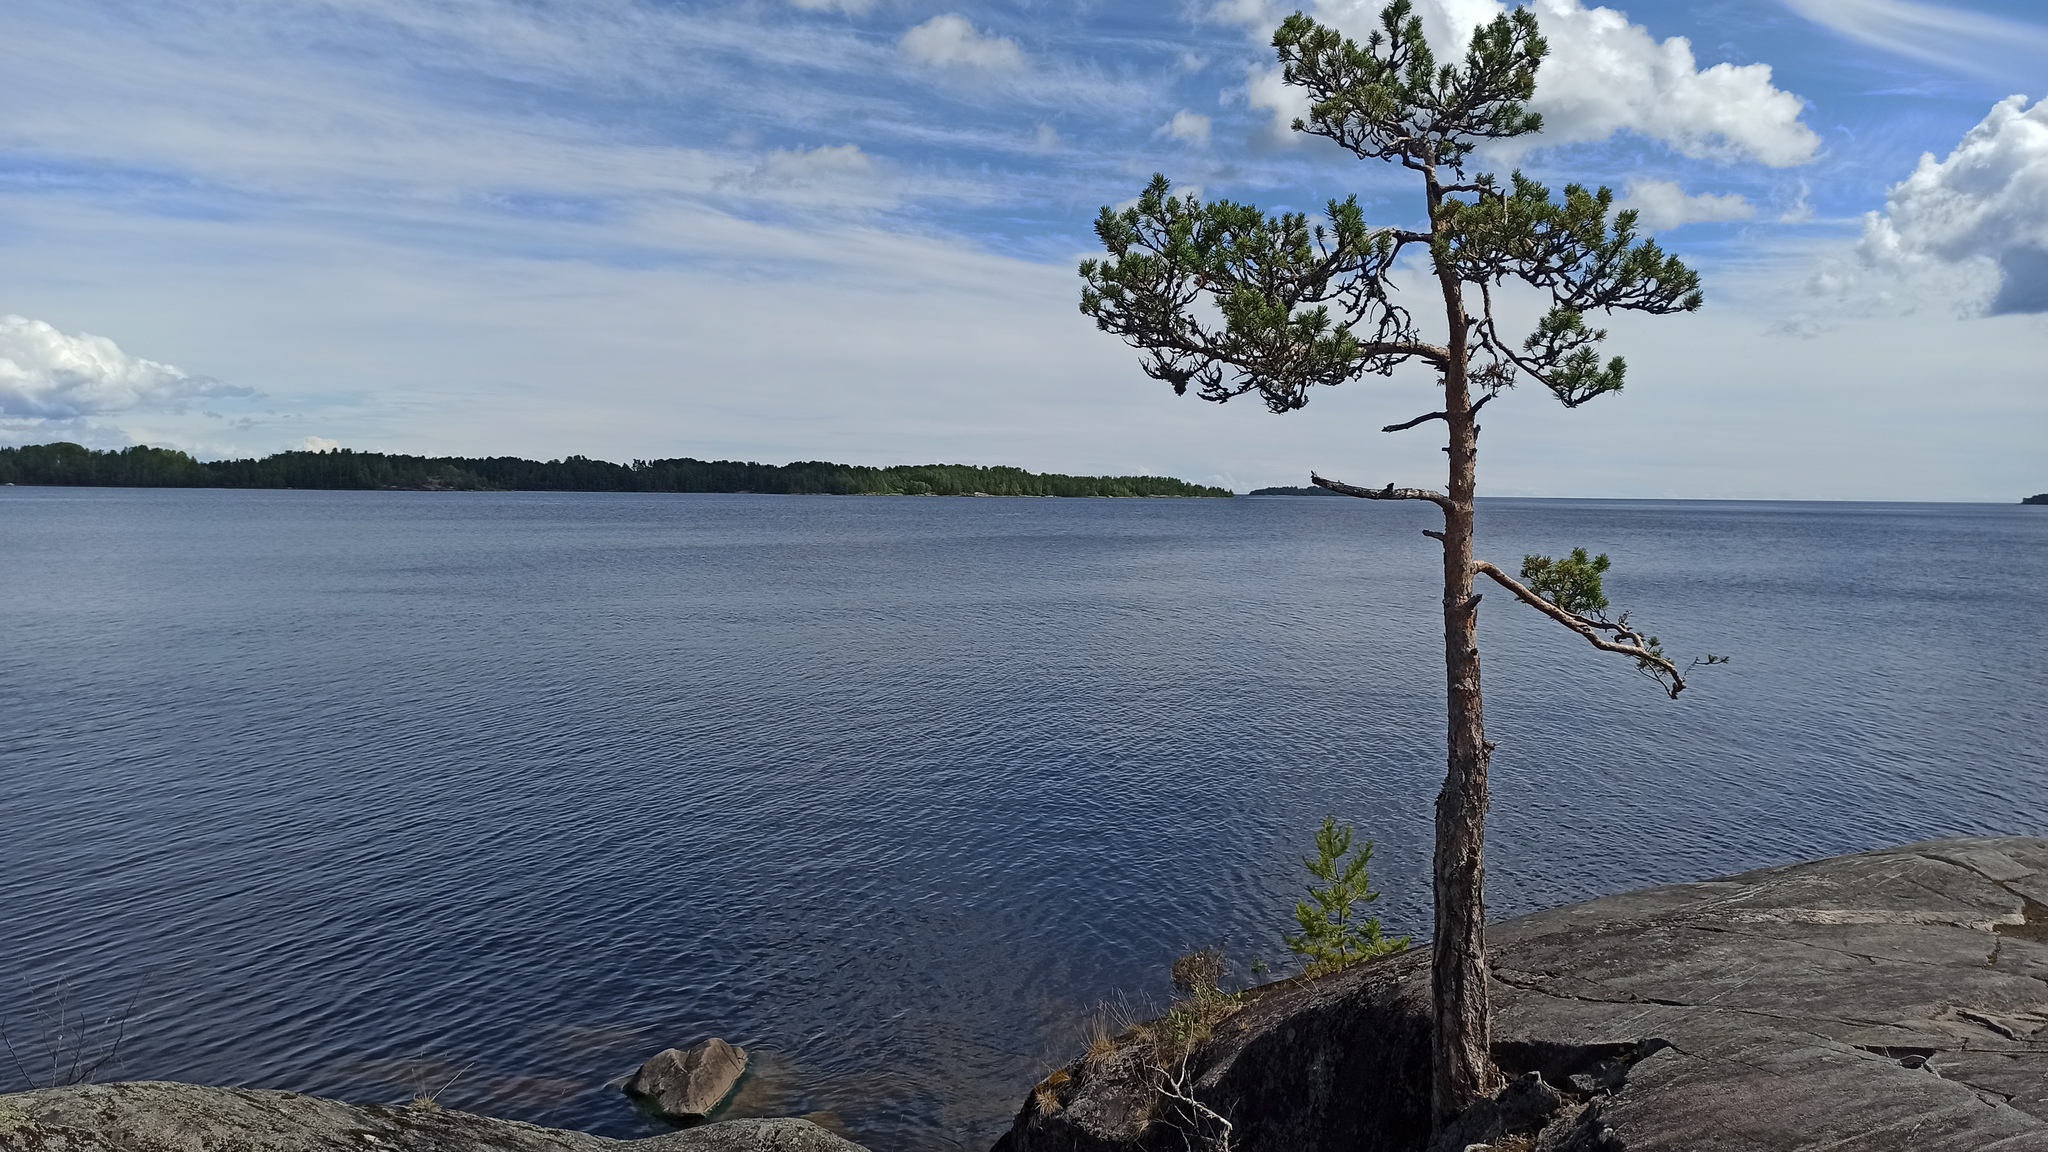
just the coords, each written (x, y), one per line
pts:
(686, 1084)
(166, 1117)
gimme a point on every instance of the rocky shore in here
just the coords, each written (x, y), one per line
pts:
(154, 1116)
(1892, 1001)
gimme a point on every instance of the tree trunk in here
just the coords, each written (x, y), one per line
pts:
(1463, 1059)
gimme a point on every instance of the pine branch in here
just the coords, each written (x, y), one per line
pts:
(1627, 641)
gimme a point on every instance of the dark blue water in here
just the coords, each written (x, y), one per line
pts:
(353, 792)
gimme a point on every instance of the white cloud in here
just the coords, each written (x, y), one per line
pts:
(1604, 75)
(1974, 43)
(813, 165)
(1266, 91)
(47, 375)
(1257, 14)
(950, 41)
(1663, 205)
(1984, 206)
(1046, 139)
(1801, 210)
(839, 176)
(1188, 127)
(319, 444)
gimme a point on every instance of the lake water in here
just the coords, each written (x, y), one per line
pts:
(358, 793)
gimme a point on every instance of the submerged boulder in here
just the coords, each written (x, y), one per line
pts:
(687, 1084)
(151, 1116)
(1891, 1001)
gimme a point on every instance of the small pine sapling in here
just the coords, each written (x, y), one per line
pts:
(1334, 931)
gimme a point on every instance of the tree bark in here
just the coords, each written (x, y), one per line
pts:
(1463, 1061)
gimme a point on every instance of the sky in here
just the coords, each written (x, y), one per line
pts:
(848, 229)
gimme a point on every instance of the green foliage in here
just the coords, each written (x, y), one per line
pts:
(1334, 932)
(1273, 281)
(1227, 299)
(1571, 249)
(74, 464)
(71, 464)
(1388, 99)
(1572, 583)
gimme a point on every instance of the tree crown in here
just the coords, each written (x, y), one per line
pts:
(1230, 300)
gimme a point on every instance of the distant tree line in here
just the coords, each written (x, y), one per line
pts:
(142, 467)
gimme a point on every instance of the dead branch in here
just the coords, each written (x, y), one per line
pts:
(76, 1050)
(1426, 417)
(1177, 1085)
(1388, 493)
(1627, 641)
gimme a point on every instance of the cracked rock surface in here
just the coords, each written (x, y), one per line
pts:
(154, 1116)
(1890, 1001)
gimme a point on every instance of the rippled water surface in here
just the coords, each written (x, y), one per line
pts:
(358, 793)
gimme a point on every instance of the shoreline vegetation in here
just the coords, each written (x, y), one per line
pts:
(73, 465)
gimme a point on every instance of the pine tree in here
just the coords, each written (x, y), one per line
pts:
(1225, 299)
(1334, 932)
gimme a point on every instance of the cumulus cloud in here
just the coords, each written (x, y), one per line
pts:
(949, 41)
(1662, 204)
(1604, 75)
(48, 375)
(319, 444)
(1986, 205)
(1188, 127)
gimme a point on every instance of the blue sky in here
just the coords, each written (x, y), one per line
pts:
(846, 229)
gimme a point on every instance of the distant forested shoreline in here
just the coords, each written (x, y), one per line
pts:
(142, 467)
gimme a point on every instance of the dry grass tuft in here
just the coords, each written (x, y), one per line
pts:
(1047, 1093)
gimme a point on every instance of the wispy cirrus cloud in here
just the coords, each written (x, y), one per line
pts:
(1971, 43)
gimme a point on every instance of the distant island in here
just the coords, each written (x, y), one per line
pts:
(1284, 490)
(2038, 498)
(142, 467)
